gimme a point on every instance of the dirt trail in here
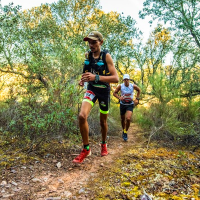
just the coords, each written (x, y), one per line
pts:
(61, 180)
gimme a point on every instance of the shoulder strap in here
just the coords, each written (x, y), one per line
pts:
(104, 52)
(101, 57)
(89, 55)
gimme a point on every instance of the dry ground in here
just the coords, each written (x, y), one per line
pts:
(58, 178)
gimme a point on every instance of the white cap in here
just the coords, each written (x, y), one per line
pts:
(126, 76)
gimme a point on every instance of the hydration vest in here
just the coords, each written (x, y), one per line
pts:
(98, 67)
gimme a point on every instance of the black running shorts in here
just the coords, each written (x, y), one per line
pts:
(124, 108)
(103, 96)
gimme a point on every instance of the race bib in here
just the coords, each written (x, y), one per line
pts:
(89, 95)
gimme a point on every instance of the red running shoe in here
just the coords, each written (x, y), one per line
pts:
(104, 151)
(84, 153)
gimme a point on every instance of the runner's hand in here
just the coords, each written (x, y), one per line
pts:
(121, 98)
(136, 102)
(81, 83)
(88, 76)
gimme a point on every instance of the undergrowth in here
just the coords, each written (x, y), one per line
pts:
(160, 172)
(177, 121)
(28, 134)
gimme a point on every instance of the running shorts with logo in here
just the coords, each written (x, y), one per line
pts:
(101, 94)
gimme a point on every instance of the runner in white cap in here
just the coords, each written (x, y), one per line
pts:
(126, 102)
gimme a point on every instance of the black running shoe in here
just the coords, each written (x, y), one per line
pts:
(124, 136)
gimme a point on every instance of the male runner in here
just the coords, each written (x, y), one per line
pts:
(126, 102)
(98, 75)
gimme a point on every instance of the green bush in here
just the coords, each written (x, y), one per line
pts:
(178, 120)
(142, 117)
(48, 119)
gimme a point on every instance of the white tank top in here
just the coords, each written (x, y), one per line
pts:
(127, 93)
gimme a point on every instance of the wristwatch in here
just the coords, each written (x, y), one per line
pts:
(138, 98)
(96, 79)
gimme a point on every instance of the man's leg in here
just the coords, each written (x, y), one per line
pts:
(127, 124)
(104, 131)
(84, 129)
(83, 123)
(128, 119)
(122, 114)
(104, 125)
(123, 122)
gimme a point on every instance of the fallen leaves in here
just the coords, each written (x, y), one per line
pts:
(163, 173)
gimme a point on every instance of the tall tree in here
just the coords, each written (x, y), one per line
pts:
(9, 19)
(118, 31)
(47, 48)
(150, 57)
(182, 15)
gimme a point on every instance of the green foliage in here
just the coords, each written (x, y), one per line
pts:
(35, 116)
(47, 45)
(140, 116)
(42, 52)
(182, 15)
(177, 120)
(47, 119)
(184, 44)
(161, 87)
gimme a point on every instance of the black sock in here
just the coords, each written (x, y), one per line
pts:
(87, 147)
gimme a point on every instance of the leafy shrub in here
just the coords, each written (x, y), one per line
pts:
(178, 120)
(50, 119)
(142, 117)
